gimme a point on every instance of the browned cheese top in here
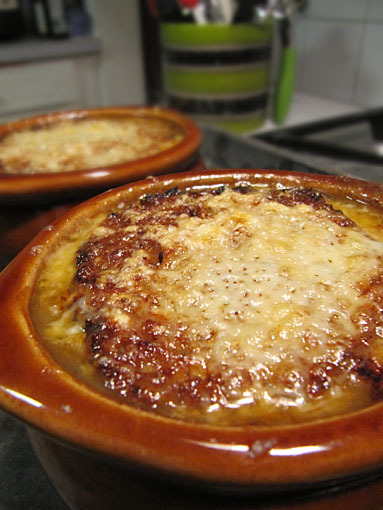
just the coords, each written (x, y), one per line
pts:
(224, 306)
(86, 143)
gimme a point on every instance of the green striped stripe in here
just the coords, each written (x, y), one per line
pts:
(235, 124)
(185, 35)
(216, 80)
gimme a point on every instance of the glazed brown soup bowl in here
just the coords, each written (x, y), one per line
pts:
(102, 450)
(35, 188)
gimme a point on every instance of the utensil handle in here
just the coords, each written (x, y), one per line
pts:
(285, 86)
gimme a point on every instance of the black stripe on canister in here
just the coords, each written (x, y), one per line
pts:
(208, 106)
(222, 57)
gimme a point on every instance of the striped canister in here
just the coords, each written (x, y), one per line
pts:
(218, 74)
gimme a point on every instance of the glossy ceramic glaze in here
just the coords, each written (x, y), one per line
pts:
(29, 202)
(256, 462)
(86, 484)
(44, 186)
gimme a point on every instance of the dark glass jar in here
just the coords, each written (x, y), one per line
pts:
(11, 20)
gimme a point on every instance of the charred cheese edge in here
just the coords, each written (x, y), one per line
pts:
(77, 144)
(229, 306)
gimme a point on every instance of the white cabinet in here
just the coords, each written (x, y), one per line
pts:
(38, 76)
(103, 69)
(28, 89)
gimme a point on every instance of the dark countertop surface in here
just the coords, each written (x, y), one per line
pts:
(23, 483)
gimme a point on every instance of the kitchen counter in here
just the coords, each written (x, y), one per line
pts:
(32, 50)
(334, 138)
(318, 136)
(306, 108)
(23, 483)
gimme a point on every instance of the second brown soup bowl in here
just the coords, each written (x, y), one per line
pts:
(31, 200)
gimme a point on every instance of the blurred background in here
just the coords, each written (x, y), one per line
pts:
(113, 57)
(298, 79)
(276, 84)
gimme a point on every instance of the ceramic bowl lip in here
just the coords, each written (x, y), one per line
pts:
(35, 389)
(24, 187)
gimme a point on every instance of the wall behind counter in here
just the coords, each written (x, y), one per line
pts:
(117, 24)
(340, 51)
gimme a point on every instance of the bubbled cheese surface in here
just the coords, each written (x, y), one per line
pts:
(80, 144)
(269, 307)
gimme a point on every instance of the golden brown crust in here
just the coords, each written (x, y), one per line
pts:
(77, 144)
(293, 196)
(151, 362)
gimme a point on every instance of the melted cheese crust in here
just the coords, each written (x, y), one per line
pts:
(229, 306)
(86, 143)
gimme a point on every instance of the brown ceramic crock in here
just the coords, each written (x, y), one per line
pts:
(28, 202)
(100, 453)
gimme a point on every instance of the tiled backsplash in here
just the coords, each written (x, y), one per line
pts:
(340, 50)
